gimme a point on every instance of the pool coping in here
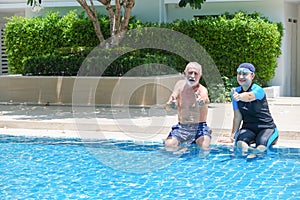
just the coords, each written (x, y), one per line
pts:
(106, 135)
(16, 119)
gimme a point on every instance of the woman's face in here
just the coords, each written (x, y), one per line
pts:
(244, 77)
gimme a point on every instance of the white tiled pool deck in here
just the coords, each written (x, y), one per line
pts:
(144, 125)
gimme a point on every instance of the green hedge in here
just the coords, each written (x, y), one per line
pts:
(67, 62)
(33, 37)
(232, 40)
(229, 39)
(55, 45)
(52, 65)
(127, 64)
(26, 37)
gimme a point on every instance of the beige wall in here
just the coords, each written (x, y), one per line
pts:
(91, 90)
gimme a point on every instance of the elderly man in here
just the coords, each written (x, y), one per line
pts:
(191, 100)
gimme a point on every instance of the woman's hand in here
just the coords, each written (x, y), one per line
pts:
(236, 96)
(226, 140)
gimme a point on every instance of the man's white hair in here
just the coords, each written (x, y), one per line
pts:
(194, 65)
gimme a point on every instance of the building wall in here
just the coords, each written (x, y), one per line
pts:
(286, 69)
(147, 11)
(215, 8)
(298, 53)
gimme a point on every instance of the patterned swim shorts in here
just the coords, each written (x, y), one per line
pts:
(189, 133)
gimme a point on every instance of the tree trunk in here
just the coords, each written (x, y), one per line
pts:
(118, 25)
(128, 6)
(92, 14)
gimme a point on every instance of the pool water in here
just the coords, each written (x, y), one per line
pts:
(45, 168)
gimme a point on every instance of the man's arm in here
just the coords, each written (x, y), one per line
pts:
(175, 92)
(202, 98)
(174, 95)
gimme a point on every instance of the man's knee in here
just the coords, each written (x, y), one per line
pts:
(204, 141)
(171, 142)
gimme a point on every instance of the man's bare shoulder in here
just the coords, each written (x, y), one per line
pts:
(202, 88)
(180, 83)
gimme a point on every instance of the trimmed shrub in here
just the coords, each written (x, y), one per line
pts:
(54, 45)
(232, 40)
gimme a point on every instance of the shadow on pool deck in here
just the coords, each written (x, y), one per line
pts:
(134, 122)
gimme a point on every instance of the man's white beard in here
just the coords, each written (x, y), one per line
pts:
(191, 81)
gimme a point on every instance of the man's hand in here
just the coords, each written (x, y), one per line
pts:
(171, 104)
(200, 100)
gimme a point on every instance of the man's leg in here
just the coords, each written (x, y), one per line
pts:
(171, 142)
(204, 142)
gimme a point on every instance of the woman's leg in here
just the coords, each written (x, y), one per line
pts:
(266, 138)
(244, 139)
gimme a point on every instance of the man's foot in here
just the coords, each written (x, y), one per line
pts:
(181, 151)
(203, 153)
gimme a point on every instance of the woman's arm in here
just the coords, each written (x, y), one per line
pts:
(237, 119)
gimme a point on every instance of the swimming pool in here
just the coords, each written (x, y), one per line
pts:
(45, 168)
